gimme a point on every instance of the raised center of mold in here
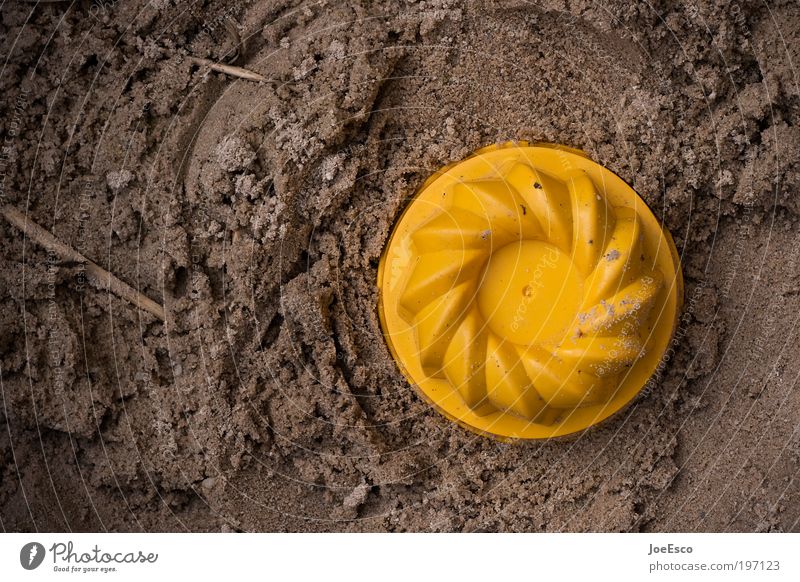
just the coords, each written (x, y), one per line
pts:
(529, 293)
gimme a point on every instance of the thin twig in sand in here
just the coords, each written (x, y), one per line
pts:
(96, 274)
(229, 70)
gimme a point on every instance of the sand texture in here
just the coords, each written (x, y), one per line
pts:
(255, 213)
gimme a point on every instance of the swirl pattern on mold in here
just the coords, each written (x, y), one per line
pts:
(529, 293)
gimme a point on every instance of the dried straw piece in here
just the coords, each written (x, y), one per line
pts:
(229, 70)
(96, 274)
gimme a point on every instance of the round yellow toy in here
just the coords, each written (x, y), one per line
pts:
(528, 292)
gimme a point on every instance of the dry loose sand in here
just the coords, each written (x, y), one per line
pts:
(256, 212)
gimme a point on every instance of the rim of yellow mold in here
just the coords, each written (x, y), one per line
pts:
(597, 319)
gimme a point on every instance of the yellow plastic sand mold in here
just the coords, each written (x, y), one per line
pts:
(528, 292)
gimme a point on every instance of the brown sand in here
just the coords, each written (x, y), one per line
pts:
(256, 214)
